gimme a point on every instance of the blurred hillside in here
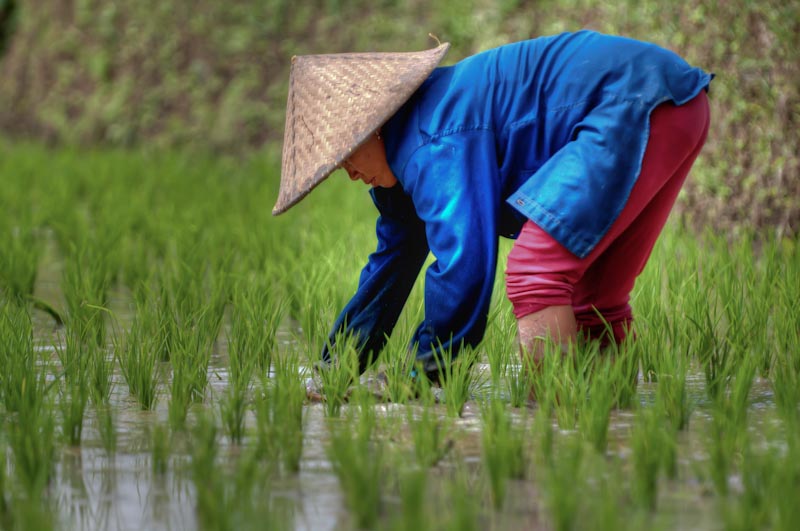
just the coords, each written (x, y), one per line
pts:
(212, 74)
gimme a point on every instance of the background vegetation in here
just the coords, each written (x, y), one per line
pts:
(213, 74)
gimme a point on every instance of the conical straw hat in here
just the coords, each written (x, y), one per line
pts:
(336, 101)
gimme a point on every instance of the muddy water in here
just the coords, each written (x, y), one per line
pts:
(97, 490)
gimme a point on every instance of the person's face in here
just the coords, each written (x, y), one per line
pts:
(368, 164)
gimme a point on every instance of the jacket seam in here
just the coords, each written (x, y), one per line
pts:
(447, 132)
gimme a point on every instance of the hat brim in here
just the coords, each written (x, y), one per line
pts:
(335, 102)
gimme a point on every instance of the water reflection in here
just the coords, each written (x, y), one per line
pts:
(95, 489)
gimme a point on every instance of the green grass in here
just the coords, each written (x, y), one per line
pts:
(73, 389)
(20, 260)
(429, 434)
(358, 461)
(218, 311)
(503, 448)
(458, 378)
(138, 351)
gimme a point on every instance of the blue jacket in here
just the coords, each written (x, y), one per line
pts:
(552, 129)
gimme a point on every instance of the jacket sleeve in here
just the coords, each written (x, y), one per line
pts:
(453, 181)
(387, 279)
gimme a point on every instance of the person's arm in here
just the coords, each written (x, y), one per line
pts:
(454, 184)
(387, 279)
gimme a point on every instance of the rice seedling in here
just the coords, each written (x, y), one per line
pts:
(189, 359)
(562, 475)
(255, 318)
(206, 476)
(314, 285)
(653, 451)
(722, 447)
(73, 383)
(713, 353)
(97, 365)
(672, 396)
(106, 427)
(604, 504)
(280, 414)
(429, 433)
(100, 374)
(766, 493)
(86, 282)
(655, 323)
(728, 426)
(593, 417)
(519, 379)
(503, 448)
(138, 352)
(784, 334)
(31, 438)
(19, 385)
(166, 317)
(786, 484)
(180, 392)
(310, 303)
(233, 404)
(192, 296)
(463, 513)
(25, 391)
(732, 405)
(19, 260)
(28, 513)
(568, 387)
(358, 461)
(750, 314)
(337, 376)
(412, 514)
(543, 434)
(400, 385)
(753, 509)
(786, 385)
(626, 359)
(499, 342)
(256, 314)
(231, 497)
(544, 371)
(232, 409)
(458, 378)
(507, 371)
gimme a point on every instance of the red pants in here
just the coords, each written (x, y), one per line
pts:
(542, 273)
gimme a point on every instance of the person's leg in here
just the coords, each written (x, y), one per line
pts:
(540, 275)
(601, 297)
(557, 322)
(544, 280)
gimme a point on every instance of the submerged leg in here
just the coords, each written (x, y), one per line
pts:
(554, 322)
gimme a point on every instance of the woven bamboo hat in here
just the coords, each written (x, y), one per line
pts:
(336, 101)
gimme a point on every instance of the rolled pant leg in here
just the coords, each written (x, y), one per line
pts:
(541, 272)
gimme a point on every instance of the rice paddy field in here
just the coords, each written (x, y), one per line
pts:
(157, 325)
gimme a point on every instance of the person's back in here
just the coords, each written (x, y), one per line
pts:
(529, 100)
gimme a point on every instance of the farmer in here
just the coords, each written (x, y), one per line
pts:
(575, 145)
